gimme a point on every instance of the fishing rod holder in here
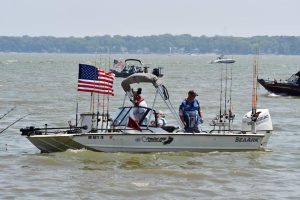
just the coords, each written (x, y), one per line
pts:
(222, 121)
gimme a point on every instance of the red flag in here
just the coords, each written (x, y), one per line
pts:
(133, 124)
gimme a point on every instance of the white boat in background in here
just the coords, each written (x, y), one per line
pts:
(222, 59)
(122, 134)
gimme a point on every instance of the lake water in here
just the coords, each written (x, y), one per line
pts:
(45, 86)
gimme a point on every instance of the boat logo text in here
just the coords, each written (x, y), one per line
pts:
(164, 140)
(246, 139)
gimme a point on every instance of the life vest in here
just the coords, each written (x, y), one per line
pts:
(140, 100)
(190, 113)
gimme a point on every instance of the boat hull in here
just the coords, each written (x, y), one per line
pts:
(126, 74)
(145, 143)
(54, 143)
(122, 74)
(280, 88)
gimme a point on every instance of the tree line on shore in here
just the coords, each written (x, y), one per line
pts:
(160, 44)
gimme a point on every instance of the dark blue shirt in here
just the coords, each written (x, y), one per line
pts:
(190, 111)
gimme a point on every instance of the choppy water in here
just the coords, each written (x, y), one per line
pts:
(44, 85)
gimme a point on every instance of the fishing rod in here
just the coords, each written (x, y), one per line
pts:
(103, 111)
(230, 94)
(14, 123)
(225, 98)
(103, 98)
(221, 93)
(8, 112)
(98, 97)
(254, 86)
(254, 114)
(76, 114)
(107, 112)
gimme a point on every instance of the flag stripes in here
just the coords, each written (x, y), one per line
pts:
(91, 79)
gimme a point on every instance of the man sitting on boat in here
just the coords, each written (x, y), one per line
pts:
(161, 120)
(190, 113)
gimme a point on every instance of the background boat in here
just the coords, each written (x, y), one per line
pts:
(289, 87)
(131, 66)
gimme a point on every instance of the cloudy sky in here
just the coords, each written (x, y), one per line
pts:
(79, 18)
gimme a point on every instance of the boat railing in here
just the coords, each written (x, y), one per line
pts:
(222, 131)
(46, 130)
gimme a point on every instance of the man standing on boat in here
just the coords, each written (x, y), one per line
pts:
(138, 99)
(138, 102)
(190, 113)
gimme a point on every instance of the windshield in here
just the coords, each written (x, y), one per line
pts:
(139, 114)
(293, 79)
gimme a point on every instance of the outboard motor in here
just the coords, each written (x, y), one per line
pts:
(27, 131)
(262, 120)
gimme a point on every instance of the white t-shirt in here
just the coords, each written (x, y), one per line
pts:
(139, 112)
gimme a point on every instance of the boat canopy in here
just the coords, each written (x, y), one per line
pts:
(139, 78)
(133, 59)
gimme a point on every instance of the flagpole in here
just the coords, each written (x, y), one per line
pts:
(103, 110)
(76, 114)
(107, 113)
(98, 110)
(91, 102)
(98, 95)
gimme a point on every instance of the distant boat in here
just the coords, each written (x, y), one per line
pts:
(221, 59)
(289, 87)
(132, 66)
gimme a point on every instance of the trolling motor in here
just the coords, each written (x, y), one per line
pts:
(26, 131)
(31, 130)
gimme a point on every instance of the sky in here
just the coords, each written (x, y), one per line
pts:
(80, 18)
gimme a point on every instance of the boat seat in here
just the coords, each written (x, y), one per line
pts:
(169, 128)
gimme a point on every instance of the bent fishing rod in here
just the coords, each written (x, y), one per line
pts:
(13, 123)
(8, 112)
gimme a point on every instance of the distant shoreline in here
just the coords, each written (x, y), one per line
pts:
(160, 44)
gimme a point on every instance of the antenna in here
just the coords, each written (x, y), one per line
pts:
(254, 114)
(254, 86)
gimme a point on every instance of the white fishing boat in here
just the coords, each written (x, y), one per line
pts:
(125, 133)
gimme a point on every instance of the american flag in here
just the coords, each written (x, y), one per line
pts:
(91, 79)
(118, 65)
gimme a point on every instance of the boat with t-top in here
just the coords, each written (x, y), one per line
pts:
(131, 66)
(124, 132)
